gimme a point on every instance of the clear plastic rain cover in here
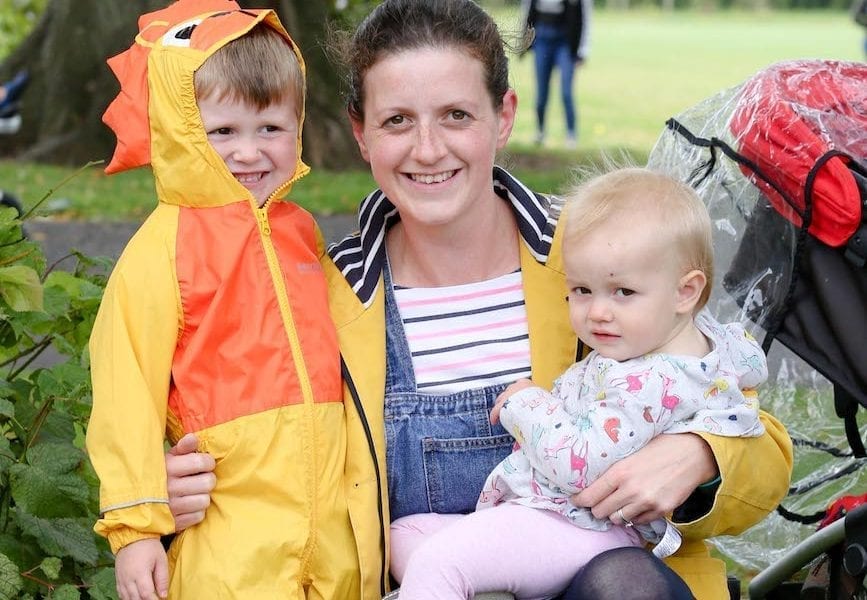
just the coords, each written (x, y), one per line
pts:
(781, 162)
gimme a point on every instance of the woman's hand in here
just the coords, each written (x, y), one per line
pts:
(651, 483)
(190, 481)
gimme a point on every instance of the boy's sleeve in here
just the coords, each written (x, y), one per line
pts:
(755, 474)
(131, 348)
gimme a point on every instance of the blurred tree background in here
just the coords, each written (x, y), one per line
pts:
(64, 43)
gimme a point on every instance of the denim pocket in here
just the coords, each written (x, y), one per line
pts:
(456, 469)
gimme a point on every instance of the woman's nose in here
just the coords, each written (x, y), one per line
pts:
(429, 144)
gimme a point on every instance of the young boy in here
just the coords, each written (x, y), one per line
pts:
(638, 258)
(215, 321)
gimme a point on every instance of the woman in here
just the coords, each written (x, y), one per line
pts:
(454, 288)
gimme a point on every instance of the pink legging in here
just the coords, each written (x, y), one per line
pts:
(532, 553)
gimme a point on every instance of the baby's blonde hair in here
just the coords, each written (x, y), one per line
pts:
(681, 215)
(259, 69)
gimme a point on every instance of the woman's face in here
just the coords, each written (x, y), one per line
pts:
(430, 133)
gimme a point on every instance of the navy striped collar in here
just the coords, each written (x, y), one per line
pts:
(361, 255)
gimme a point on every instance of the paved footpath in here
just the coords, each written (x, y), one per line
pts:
(108, 239)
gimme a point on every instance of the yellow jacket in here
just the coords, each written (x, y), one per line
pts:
(215, 321)
(755, 471)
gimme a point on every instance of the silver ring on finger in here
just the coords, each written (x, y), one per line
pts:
(623, 518)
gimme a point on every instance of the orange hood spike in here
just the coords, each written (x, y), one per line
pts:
(127, 115)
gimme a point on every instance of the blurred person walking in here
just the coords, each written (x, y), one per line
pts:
(561, 35)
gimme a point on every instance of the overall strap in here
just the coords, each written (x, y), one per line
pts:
(399, 372)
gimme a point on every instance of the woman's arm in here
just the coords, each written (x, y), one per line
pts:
(663, 475)
(654, 481)
(755, 476)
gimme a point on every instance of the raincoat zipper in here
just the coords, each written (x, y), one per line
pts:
(303, 377)
(283, 300)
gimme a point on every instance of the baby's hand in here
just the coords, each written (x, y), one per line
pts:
(142, 571)
(514, 388)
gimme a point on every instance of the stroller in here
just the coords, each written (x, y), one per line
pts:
(781, 163)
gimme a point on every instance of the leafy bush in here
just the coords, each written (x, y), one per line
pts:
(48, 490)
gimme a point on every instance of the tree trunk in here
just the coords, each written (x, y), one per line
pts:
(328, 140)
(71, 86)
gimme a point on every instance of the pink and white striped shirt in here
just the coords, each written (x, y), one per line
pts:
(466, 336)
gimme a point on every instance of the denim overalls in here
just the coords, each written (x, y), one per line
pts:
(439, 448)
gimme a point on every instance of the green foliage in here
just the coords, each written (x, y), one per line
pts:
(17, 18)
(48, 492)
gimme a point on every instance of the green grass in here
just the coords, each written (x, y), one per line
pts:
(129, 196)
(644, 67)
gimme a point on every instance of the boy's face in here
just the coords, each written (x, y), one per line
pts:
(258, 146)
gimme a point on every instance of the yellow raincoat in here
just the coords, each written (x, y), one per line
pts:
(215, 321)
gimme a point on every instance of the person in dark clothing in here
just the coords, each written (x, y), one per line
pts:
(859, 15)
(560, 40)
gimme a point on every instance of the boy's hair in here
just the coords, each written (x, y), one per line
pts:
(259, 69)
(681, 215)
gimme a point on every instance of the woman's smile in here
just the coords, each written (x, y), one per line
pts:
(432, 178)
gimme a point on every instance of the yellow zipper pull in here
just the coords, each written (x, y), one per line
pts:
(262, 217)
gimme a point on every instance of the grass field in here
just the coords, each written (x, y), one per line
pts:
(644, 67)
(647, 66)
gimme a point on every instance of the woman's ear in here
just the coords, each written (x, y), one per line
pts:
(358, 134)
(507, 113)
(689, 290)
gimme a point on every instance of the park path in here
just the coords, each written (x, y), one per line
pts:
(109, 238)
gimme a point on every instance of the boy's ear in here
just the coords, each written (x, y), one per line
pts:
(358, 134)
(689, 290)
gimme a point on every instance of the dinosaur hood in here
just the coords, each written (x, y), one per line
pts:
(155, 116)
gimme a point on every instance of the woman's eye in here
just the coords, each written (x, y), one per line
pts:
(395, 120)
(459, 115)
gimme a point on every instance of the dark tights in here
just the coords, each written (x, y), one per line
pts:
(626, 574)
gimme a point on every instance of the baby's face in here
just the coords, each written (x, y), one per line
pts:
(623, 290)
(258, 146)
